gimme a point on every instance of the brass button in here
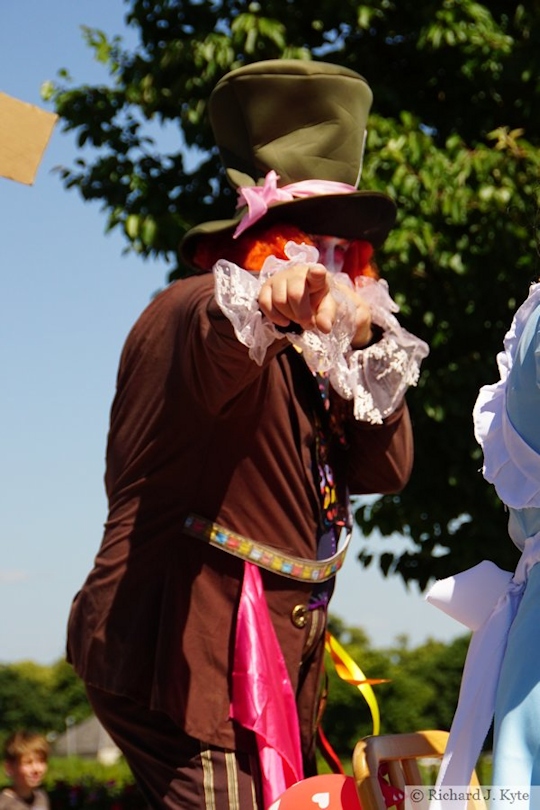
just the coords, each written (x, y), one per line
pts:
(299, 615)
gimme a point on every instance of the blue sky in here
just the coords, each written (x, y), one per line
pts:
(68, 297)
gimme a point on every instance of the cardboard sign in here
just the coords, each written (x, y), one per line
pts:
(324, 792)
(24, 134)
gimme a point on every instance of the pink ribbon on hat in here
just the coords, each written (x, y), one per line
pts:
(258, 198)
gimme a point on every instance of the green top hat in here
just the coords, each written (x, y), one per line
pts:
(305, 121)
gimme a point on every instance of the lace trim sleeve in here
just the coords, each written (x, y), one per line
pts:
(375, 378)
(510, 464)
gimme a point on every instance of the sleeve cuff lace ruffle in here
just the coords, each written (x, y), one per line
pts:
(510, 464)
(375, 377)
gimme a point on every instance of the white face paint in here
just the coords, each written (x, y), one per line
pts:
(332, 251)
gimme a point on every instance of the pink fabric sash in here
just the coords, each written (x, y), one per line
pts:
(262, 695)
(258, 198)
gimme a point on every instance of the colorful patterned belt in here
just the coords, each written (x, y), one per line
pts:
(265, 556)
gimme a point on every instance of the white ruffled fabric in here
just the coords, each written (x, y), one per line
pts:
(375, 378)
(510, 464)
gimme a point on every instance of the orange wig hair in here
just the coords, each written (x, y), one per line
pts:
(252, 248)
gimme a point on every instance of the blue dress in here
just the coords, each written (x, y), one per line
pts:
(516, 755)
(501, 677)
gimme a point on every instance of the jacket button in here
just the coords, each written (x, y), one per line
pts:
(299, 615)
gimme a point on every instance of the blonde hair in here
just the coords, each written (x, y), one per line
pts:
(21, 743)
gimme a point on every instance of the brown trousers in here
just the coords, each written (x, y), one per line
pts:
(177, 772)
(174, 771)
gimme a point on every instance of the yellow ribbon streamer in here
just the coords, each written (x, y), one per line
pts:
(349, 671)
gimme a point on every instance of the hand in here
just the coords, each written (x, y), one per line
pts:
(303, 294)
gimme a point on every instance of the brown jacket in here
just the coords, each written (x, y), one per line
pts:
(198, 426)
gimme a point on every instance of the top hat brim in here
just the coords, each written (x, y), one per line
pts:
(366, 215)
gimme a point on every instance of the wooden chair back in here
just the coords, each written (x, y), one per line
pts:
(401, 754)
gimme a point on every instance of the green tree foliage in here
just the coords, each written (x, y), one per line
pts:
(421, 692)
(23, 702)
(39, 698)
(452, 137)
(424, 685)
(68, 694)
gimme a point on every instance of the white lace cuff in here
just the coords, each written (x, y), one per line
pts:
(375, 378)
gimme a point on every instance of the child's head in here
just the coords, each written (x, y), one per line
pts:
(25, 761)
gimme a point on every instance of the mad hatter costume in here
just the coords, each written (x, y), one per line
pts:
(200, 630)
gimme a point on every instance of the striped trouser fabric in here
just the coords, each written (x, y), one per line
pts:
(174, 771)
(227, 782)
(177, 772)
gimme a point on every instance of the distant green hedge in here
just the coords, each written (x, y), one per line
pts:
(73, 784)
(75, 770)
(104, 796)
